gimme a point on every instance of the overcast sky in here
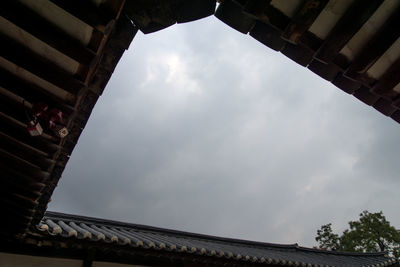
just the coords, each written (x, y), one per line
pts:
(204, 129)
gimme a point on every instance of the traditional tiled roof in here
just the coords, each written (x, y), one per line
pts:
(133, 237)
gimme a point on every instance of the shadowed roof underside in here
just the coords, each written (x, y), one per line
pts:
(60, 53)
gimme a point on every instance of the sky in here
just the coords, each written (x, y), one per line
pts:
(204, 129)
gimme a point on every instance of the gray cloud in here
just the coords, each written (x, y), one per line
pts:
(204, 129)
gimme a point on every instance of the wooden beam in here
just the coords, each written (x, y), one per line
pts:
(15, 162)
(262, 10)
(29, 189)
(23, 178)
(254, 8)
(18, 107)
(16, 114)
(88, 12)
(384, 106)
(151, 16)
(276, 18)
(32, 93)
(15, 138)
(45, 69)
(114, 7)
(20, 201)
(364, 94)
(388, 81)
(268, 36)
(310, 40)
(18, 130)
(396, 102)
(25, 151)
(396, 116)
(325, 71)
(8, 107)
(232, 14)
(347, 85)
(341, 61)
(376, 47)
(348, 25)
(24, 138)
(303, 19)
(298, 53)
(32, 150)
(31, 22)
(194, 10)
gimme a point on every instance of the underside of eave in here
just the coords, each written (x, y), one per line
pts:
(72, 236)
(43, 61)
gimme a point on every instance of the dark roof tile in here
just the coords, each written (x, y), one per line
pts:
(132, 235)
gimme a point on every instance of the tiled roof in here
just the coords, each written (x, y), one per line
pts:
(132, 236)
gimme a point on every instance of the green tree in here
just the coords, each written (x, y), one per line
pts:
(327, 239)
(371, 233)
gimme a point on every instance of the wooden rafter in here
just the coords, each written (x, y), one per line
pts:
(16, 128)
(45, 69)
(32, 93)
(25, 151)
(303, 19)
(88, 12)
(388, 81)
(375, 48)
(353, 19)
(36, 25)
(268, 36)
(19, 163)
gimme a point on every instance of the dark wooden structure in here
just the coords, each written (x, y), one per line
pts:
(60, 53)
(63, 53)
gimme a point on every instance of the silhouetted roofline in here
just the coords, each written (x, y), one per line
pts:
(56, 228)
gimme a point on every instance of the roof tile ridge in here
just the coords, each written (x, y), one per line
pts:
(107, 222)
(113, 223)
(346, 253)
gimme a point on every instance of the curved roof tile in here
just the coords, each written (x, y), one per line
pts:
(121, 234)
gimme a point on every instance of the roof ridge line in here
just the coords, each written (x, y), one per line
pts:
(108, 222)
(347, 253)
(113, 223)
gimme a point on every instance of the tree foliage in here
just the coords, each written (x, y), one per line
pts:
(371, 233)
(327, 239)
